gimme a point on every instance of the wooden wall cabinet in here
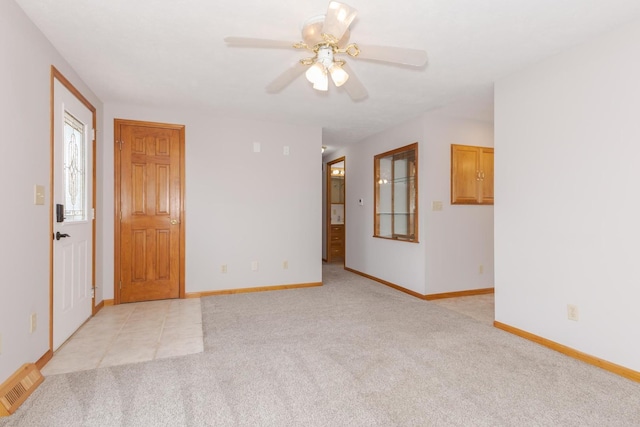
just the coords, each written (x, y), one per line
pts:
(471, 175)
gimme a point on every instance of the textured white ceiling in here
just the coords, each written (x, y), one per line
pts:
(171, 53)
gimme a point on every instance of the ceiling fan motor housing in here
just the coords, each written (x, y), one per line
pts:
(325, 56)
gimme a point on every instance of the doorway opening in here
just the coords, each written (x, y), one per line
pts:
(336, 212)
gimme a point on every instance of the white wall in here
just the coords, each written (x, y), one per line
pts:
(241, 206)
(452, 242)
(397, 262)
(25, 66)
(567, 180)
(458, 239)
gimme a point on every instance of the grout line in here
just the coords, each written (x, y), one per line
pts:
(114, 338)
(164, 320)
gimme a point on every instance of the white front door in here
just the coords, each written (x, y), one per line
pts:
(72, 214)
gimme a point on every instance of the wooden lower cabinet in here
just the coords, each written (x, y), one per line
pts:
(336, 243)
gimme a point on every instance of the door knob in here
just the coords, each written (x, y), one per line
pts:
(61, 235)
(174, 221)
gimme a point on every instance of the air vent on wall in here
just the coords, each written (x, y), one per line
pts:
(18, 387)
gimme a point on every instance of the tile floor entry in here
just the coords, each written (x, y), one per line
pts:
(130, 333)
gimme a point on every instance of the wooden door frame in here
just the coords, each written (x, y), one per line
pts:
(328, 207)
(117, 165)
(57, 75)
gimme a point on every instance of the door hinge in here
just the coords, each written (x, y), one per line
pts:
(120, 144)
(120, 284)
(120, 215)
(93, 131)
(93, 213)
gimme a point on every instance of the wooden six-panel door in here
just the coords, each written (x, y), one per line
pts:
(149, 177)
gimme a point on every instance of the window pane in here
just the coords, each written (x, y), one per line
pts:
(400, 197)
(75, 162)
(396, 194)
(384, 190)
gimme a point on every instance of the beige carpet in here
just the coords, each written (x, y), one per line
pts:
(478, 307)
(350, 353)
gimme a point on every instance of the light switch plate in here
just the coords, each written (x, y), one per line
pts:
(256, 147)
(33, 322)
(38, 194)
(436, 205)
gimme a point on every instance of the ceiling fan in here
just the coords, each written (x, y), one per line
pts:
(327, 36)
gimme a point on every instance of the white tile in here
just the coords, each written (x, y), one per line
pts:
(137, 338)
(121, 356)
(131, 333)
(182, 331)
(70, 364)
(104, 331)
(180, 347)
(147, 324)
(183, 320)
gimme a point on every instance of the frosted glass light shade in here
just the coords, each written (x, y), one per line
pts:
(322, 83)
(316, 73)
(338, 75)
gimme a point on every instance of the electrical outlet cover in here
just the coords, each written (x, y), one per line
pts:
(572, 312)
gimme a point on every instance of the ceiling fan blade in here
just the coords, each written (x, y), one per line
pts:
(255, 42)
(288, 76)
(339, 17)
(395, 55)
(353, 85)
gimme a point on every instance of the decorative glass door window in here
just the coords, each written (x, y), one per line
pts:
(396, 194)
(75, 165)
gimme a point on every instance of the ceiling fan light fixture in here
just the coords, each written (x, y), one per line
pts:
(316, 73)
(322, 83)
(327, 36)
(338, 75)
